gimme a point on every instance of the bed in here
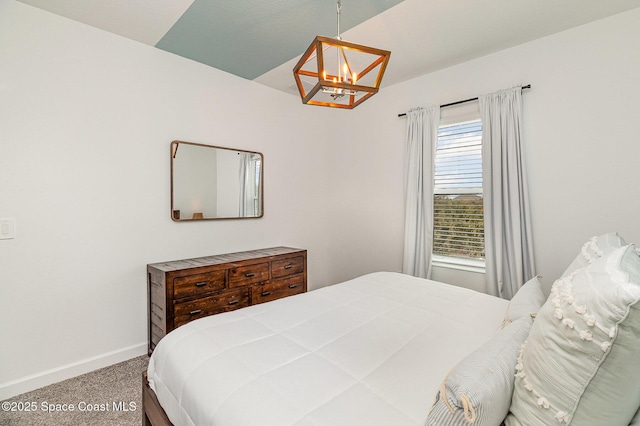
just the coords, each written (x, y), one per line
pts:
(387, 349)
(373, 350)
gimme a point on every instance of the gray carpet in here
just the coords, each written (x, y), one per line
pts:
(109, 396)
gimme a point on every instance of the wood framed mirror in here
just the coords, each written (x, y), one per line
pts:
(213, 182)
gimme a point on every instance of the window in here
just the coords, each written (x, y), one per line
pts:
(458, 203)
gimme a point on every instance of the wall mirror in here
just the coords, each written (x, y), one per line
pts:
(212, 182)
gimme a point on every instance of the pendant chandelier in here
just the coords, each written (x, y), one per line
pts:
(339, 74)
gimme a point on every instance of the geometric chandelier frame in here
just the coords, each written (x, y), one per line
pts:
(339, 74)
(346, 80)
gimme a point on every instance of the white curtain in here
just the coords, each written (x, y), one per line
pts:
(507, 218)
(244, 159)
(421, 139)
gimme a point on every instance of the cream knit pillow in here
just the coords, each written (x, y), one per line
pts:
(526, 302)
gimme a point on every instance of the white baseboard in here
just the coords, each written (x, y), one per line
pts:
(54, 375)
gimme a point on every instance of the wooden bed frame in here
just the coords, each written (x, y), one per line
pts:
(152, 413)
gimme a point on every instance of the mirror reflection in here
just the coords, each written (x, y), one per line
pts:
(212, 182)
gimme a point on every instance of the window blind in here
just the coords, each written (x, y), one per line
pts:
(458, 203)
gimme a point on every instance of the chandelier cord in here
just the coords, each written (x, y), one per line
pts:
(339, 7)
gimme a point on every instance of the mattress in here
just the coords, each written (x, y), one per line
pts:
(369, 351)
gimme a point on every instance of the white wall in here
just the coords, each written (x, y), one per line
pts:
(195, 180)
(86, 119)
(228, 171)
(580, 131)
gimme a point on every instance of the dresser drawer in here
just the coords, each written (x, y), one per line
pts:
(277, 289)
(250, 274)
(214, 304)
(194, 285)
(183, 290)
(282, 268)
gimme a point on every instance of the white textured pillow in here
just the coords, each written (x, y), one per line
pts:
(526, 302)
(593, 249)
(479, 388)
(580, 362)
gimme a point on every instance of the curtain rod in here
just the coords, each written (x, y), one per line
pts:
(528, 86)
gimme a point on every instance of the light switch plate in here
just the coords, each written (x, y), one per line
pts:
(7, 229)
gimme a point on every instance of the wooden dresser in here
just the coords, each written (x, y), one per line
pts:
(183, 290)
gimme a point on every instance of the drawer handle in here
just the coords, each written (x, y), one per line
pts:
(249, 275)
(265, 293)
(234, 302)
(289, 266)
(196, 312)
(293, 286)
(200, 284)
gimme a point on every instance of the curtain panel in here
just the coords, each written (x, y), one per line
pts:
(420, 148)
(508, 234)
(245, 158)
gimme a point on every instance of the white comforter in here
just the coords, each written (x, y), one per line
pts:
(370, 351)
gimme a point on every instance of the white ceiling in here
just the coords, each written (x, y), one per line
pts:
(422, 35)
(146, 21)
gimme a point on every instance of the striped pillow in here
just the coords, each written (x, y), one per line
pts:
(479, 388)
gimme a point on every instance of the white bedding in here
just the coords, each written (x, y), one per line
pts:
(370, 351)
